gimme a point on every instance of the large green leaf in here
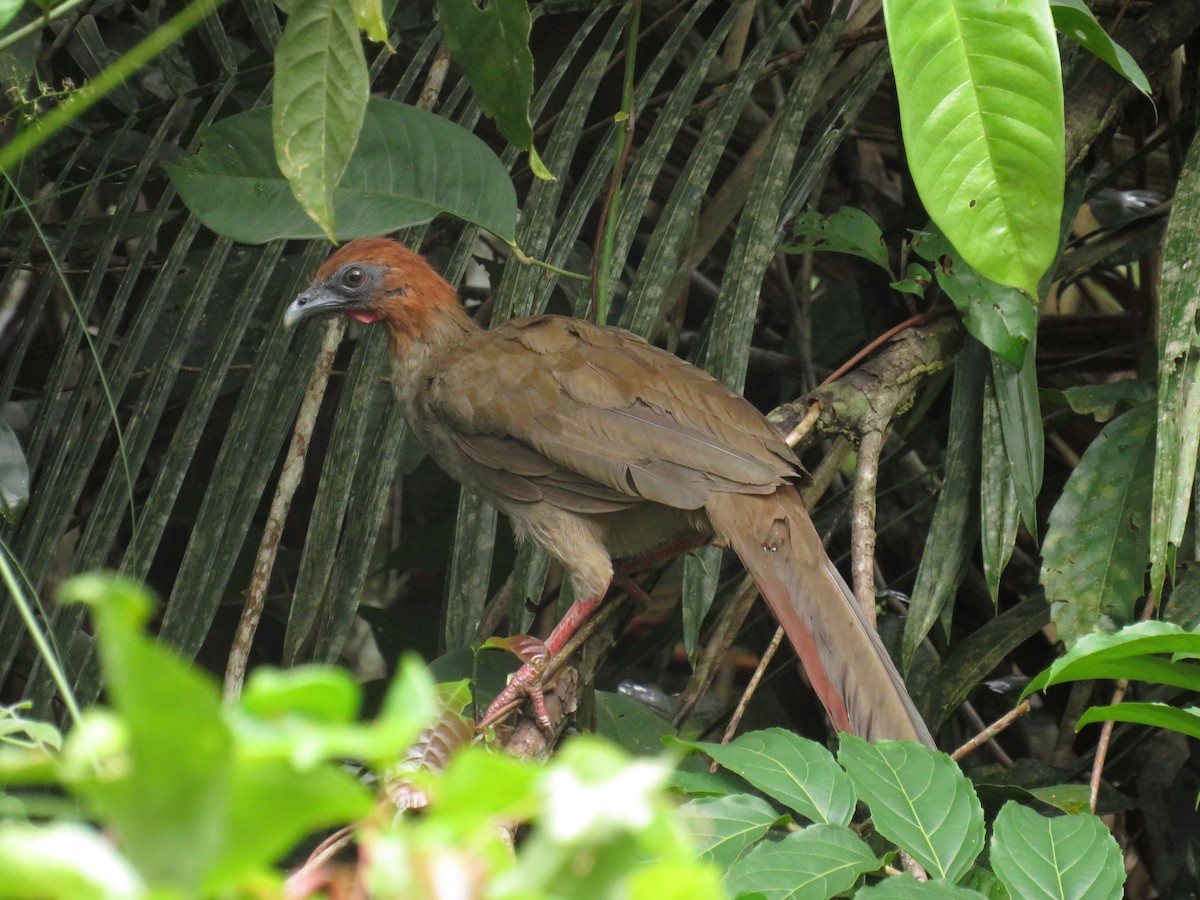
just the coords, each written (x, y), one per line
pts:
(491, 42)
(64, 861)
(920, 800)
(1076, 21)
(906, 887)
(790, 769)
(1062, 858)
(981, 107)
(1157, 715)
(818, 862)
(1094, 575)
(1131, 652)
(320, 96)
(726, 826)
(9, 10)
(433, 166)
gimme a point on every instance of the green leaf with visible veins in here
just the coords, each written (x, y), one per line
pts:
(920, 800)
(789, 769)
(1076, 21)
(320, 96)
(1063, 857)
(848, 230)
(999, 317)
(491, 42)
(234, 187)
(1093, 574)
(981, 109)
(811, 864)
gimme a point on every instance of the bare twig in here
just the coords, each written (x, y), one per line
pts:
(281, 503)
(748, 693)
(862, 521)
(991, 731)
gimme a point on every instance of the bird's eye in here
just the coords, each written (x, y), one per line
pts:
(354, 277)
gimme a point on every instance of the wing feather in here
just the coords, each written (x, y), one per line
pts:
(594, 420)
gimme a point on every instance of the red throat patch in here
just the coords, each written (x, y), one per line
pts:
(362, 315)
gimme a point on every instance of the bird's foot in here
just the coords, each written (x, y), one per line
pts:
(525, 683)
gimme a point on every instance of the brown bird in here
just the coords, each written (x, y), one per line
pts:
(598, 445)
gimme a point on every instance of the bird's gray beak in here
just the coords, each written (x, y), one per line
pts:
(315, 301)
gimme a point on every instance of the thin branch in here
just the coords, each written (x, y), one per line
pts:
(281, 504)
(991, 731)
(759, 671)
(862, 521)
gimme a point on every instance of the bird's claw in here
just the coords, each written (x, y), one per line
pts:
(527, 682)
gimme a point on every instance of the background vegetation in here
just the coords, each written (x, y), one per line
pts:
(150, 395)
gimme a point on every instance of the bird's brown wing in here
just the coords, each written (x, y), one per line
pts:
(595, 419)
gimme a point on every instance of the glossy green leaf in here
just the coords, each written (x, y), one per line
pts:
(726, 826)
(999, 317)
(812, 864)
(370, 17)
(849, 230)
(234, 186)
(1076, 21)
(920, 800)
(1094, 575)
(1178, 435)
(981, 109)
(491, 42)
(1129, 653)
(320, 96)
(1157, 715)
(799, 773)
(479, 785)
(1060, 858)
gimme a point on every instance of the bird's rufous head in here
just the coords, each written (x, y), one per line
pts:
(377, 280)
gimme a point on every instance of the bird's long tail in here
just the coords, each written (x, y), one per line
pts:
(847, 664)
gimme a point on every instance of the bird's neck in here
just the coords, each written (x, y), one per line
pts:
(422, 325)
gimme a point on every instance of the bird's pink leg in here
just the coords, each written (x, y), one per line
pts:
(526, 682)
(527, 679)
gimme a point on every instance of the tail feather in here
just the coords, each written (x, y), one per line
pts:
(847, 664)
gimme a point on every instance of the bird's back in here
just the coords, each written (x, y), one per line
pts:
(555, 402)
